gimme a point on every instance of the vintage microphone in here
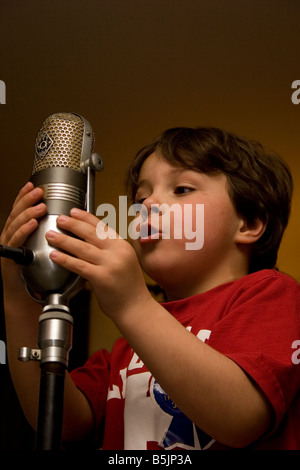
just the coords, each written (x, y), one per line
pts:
(64, 166)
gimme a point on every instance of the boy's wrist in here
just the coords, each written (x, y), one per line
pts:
(139, 307)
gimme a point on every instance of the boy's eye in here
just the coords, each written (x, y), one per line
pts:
(183, 190)
(139, 199)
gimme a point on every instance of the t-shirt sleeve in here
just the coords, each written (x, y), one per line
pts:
(93, 381)
(258, 332)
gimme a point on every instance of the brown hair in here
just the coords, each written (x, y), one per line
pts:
(260, 184)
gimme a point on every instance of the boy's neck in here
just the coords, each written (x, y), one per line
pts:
(205, 284)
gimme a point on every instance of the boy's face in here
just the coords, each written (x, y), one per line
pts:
(179, 270)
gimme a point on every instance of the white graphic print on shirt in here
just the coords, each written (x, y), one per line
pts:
(150, 416)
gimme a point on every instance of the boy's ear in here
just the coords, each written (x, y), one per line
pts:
(250, 233)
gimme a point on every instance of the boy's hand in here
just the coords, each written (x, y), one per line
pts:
(21, 222)
(110, 265)
(22, 219)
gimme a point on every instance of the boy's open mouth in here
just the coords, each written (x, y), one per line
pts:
(149, 232)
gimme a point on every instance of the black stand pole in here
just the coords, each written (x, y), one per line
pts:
(50, 407)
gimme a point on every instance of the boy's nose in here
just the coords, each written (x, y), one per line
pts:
(154, 206)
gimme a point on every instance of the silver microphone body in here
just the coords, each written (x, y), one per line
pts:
(63, 168)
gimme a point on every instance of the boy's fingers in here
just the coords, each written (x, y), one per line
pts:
(15, 224)
(78, 266)
(25, 200)
(20, 222)
(80, 228)
(19, 237)
(26, 189)
(75, 247)
(84, 216)
(86, 226)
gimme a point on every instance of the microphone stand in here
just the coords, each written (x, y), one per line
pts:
(54, 344)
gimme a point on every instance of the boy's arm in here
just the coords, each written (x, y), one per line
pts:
(21, 319)
(208, 387)
(211, 389)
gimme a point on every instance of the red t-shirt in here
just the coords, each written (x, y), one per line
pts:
(255, 321)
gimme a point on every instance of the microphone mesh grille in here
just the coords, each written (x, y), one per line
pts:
(59, 142)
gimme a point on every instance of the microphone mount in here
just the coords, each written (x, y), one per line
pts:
(23, 256)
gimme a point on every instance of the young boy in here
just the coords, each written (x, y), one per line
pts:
(212, 366)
